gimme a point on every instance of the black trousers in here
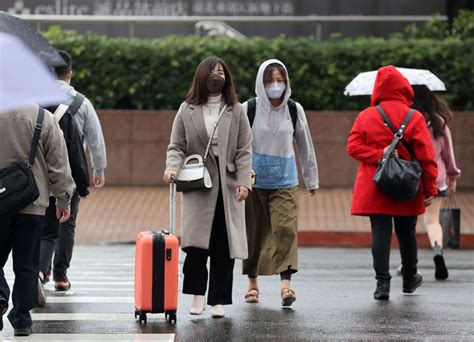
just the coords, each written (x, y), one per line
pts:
(58, 239)
(221, 265)
(381, 240)
(21, 234)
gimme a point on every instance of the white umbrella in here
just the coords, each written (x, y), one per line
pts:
(24, 79)
(363, 84)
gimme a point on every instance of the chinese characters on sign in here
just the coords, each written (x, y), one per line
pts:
(150, 7)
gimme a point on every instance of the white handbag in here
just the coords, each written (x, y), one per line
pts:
(195, 176)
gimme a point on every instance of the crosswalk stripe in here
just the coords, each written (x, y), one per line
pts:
(100, 337)
(41, 316)
(114, 283)
(79, 290)
(96, 286)
(83, 299)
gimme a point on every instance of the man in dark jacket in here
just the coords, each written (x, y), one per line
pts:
(80, 174)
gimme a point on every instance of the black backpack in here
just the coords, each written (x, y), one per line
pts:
(74, 142)
(18, 187)
(252, 106)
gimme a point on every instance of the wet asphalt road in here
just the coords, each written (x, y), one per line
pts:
(334, 302)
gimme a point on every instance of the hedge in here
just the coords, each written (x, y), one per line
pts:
(156, 74)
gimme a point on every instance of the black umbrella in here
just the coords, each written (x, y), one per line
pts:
(31, 37)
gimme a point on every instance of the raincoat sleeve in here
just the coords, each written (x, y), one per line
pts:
(357, 147)
(304, 143)
(424, 152)
(176, 152)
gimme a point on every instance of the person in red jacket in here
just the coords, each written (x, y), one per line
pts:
(368, 140)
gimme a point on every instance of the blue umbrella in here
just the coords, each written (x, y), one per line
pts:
(31, 37)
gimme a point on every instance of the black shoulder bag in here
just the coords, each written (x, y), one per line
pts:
(18, 187)
(398, 178)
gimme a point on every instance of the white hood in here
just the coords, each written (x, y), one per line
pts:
(262, 98)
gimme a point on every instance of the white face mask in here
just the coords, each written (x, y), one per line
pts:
(275, 90)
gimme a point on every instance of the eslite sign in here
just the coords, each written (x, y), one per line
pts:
(149, 7)
(56, 7)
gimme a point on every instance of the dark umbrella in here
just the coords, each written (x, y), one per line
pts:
(31, 37)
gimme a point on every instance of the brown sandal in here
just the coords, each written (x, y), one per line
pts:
(288, 297)
(252, 296)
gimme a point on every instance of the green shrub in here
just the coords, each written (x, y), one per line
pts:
(463, 28)
(156, 74)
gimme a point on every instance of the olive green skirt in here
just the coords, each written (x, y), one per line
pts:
(272, 222)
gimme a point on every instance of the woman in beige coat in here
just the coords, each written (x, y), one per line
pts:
(213, 221)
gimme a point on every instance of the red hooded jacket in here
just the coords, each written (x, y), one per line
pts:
(369, 136)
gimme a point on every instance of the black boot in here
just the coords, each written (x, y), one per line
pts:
(3, 310)
(441, 272)
(23, 331)
(410, 284)
(382, 291)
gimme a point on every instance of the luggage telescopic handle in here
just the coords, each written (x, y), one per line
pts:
(173, 205)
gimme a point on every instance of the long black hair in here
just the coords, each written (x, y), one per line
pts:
(198, 93)
(434, 108)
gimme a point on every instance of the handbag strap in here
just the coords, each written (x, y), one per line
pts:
(213, 132)
(399, 134)
(388, 123)
(450, 202)
(36, 137)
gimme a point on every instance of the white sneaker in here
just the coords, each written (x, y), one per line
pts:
(41, 295)
(217, 311)
(198, 305)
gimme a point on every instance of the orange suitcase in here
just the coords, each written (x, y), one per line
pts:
(156, 270)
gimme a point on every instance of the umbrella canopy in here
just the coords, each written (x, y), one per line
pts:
(363, 84)
(32, 38)
(24, 79)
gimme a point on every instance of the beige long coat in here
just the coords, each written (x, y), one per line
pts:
(189, 136)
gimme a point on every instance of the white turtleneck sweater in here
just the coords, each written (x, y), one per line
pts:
(211, 113)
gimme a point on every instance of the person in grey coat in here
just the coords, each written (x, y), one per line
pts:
(89, 128)
(213, 221)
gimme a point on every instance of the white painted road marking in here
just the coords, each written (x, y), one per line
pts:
(95, 337)
(86, 299)
(129, 317)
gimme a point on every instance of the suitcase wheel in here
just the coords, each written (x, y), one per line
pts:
(142, 317)
(171, 316)
(137, 313)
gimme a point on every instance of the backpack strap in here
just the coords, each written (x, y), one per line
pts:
(36, 137)
(60, 111)
(388, 123)
(251, 108)
(76, 103)
(293, 113)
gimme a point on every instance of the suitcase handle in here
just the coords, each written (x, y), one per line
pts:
(173, 206)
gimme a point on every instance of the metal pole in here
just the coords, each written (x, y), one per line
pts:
(319, 32)
(131, 30)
